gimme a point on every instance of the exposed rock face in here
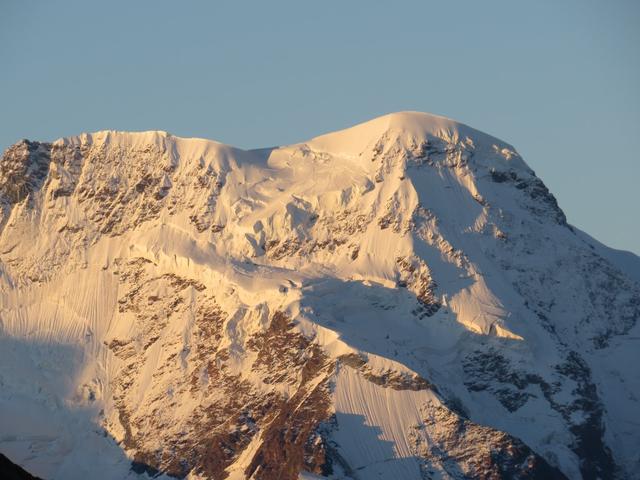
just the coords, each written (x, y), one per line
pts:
(465, 450)
(24, 168)
(203, 425)
(403, 299)
(491, 371)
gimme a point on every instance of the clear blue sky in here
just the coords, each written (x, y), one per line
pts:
(560, 80)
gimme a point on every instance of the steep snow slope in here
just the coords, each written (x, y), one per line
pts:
(401, 299)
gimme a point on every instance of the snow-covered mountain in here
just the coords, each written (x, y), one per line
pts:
(403, 299)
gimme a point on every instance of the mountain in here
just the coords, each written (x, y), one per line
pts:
(400, 299)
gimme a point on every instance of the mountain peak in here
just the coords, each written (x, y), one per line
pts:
(411, 130)
(405, 125)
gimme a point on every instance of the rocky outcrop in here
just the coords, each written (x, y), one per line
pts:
(11, 471)
(203, 425)
(465, 450)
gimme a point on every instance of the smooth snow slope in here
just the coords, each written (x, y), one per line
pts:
(401, 299)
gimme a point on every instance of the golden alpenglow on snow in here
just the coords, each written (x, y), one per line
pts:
(403, 299)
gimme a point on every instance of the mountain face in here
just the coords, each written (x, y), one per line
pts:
(403, 299)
